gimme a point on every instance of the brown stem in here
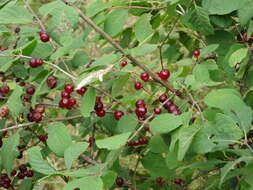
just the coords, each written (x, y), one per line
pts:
(138, 7)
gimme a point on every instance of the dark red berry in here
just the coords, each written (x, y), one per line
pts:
(141, 117)
(143, 141)
(21, 175)
(144, 77)
(101, 113)
(44, 37)
(168, 104)
(69, 88)
(22, 167)
(91, 140)
(138, 85)
(136, 143)
(124, 63)
(64, 103)
(98, 99)
(4, 89)
(33, 63)
(40, 108)
(118, 114)
(30, 117)
(27, 97)
(160, 180)
(29, 173)
(81, 91)
(157, 111)
(13, 173)
(119, 181)
(71, 102)
(130, 143)
(146, 128)
(140, 111)
(65, 94)
(76, 188)
(36, 116)
(178, 93)
(172, 108)
(164, 74)
(178, 181)
(99, 106)
(30, 90)
(51, 82)
(39, 62)
(163, 98)
(4, 111)
(43, 138)
(140, 103)
(17, 30)
(196, 53)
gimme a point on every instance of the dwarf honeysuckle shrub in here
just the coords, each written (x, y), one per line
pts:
(126, 94)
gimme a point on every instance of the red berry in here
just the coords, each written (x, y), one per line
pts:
(81, 91)
(140, 111)
(99, 106)
(160, 180)
(138, 85)
(29, 173)
(22, 167)
(13, 173)
(21, 175)
(101, 113)
(33, 63)
(69, 88)
(36, 116)
(4, 89)
(30, 117)
(196, 53)
(30, 90)
(143, 141)
(119, 181)
(118, 114)
(124, 63)
(157, 111)
(163, 98)
(140, 103)
(164, 74)
(71, 102)
(141, 117)
(172, 108)
(65, 94)
(40, 108)
(177, 112)
(178, 93)
(91, 140)
(27, 98)
(4, 111)
(51, 82)
(146, 128)
(168, 104)
(98, 99)
(136, 143)
(39, 62)
(178, 181)
(64, 103)
(44, 37)
(43, 138)
(130, 143)
(144, 77)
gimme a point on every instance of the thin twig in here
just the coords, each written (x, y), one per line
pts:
(138, 7)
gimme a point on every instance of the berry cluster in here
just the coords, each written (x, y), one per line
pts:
(141, 141)
(4, 111)
(99, 107)
(140, 110)
(23, 172)
(5, 181)
(51, 81)
(36, 114)
(35, 62)
(67, 101)
(169, 105)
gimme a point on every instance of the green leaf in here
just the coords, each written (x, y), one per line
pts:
(119, 84)
(245, 13)
(186, 135)
(218, 7)
(109, 178)
(229, 101)
(115, 21)
(73, 152)
(208, 49)
(157, 144)
(165, 123)
(127, 123)
(15, 101)
(85, 183)
(5, 62)
(42, 50)
(37, 163)
(9, 152)
(231, 165)
(143, 49)
(59, 138)
(96, 7)
(106, 60)
(88, 102)
(114, 142)
(26, 185)
(198, 19)
(237, 56)
(143, 28)
(15, 15)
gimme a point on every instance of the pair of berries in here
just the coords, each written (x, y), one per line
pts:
(23, 172)
(99, 107)
(67, 101)
(35, 62)
(5, 181)
(169, 105)
(36, 114)
(140, 110)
